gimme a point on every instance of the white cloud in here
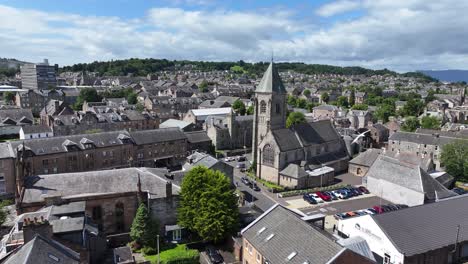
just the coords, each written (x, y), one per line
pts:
(338, 7)
(397, 34)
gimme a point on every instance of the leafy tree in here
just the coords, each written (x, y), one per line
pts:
(411, 124)
(250, 110)
(139, 107)
(292, 100)
(342, 101)
(144, 229)
(239, 107)
(295, 118)
(306, 92)
(455, 159)
(360, 107)
(325, 97)
(301, 103)
(310, 106)
(203, 87)
(88, 95)
(352, 97)
(9, 96)
(132, 98)
(413, 107)
(430, 96)
(384, 111)
(237, 69)
(208, 205)
(430, 122)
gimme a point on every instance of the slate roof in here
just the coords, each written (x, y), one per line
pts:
(366, 158)
(157, 135)
(16, 115)
(294, 171)
(408, 176)
(202, 159)
(426, 227)
(174, 123)
(287, 233)
(95, 182)
(74, 224)
(419, 138)
(197, 137)
(286, 139)
(43, 250)
(36, 129)
(211, 111)
(316, 132)
(271, 81)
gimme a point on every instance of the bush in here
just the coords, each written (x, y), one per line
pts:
(272, 187)
(317, 189)
(178, 255)
(149, 251)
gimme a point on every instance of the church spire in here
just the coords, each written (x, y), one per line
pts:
(271, 81)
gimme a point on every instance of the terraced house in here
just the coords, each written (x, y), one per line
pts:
(88, 152)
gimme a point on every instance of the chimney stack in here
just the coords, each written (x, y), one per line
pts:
(168, 189)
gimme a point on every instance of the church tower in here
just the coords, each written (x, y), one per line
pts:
(270, 106)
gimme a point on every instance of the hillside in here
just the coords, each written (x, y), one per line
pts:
(141, 67)
(448, 75)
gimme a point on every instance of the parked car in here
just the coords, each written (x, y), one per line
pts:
(331, 194)
(240, 166)
(459, 191)
(316, 197)
(349, 193)
(309, 199)
(241, 159)
(255, 187)
(324, 196)
(378, 209)
(351, 213)
(342, 216)
(401, 206)
(363, 189)
(361, 212)
(340, 194)
(245, 180)
(356, 190)
(229, 159)
(370, 211)
(214, 256)
(387, 208)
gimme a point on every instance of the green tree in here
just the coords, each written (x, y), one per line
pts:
(139, 107)
(132, 98)
(455, 159)
(250, 110)
(352, 97)
(310, 106)
(295, 118)
(301, 103)
(360, 107)
(9, 96)
(88, 95)
(325, 97)
(384, 111)
(292, 100)
(430, 122)
(203, 87)
(413, 107)
(239, 107)
(144, 229)
(410, 124)
(306, 92)
(342, 101)
(208, 204)
(237, 69)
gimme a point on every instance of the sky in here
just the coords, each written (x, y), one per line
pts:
(401, 35)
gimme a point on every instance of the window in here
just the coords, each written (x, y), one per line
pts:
(97, 213)
(262, 107)
(119, 217)
(386, 259)
(177, 235)
(268, 155)
(45, 162)
(258, 258)
(278, 108)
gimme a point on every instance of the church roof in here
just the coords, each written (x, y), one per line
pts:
(271, 81)
(294, 171)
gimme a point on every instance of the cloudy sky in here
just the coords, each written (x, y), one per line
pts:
(402, 35)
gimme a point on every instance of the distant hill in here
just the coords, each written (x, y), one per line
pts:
(10, 63)
(448, 75)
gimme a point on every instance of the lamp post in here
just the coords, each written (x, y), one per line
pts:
(158, 249)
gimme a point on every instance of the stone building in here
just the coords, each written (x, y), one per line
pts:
(358, 118)
(309, 145)
(12, 120)
(361, 164)
(230, 133)
(379, 134)
(88, 152)
(37, 99)
(166, 107)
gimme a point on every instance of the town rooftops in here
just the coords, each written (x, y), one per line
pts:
(294, 171)
(271, 81)
(175, 123)
(408, 176)
(427, 227)
(367, 157)
(43, 250)
(420, 138)
(280, 236)
(211, 111)
(82, 184)
(33, 129)
(16, 116)
(197, 137)
(157, 135)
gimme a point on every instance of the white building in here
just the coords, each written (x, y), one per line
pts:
(35, 131)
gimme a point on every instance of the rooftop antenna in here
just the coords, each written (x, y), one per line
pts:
(272, 56)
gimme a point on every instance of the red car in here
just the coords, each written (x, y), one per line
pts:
(378, 209)
(324, 196)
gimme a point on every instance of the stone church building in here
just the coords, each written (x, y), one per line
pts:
(302, 156)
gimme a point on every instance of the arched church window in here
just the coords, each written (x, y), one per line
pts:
(268, 155)
(262, 107)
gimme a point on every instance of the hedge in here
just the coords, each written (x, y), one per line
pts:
(272, 187)
(317, 189)
(178, 255)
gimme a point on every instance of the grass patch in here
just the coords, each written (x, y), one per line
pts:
(179, 254)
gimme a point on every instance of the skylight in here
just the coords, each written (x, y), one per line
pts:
(261, 230)
(269, 237)
(292, 255)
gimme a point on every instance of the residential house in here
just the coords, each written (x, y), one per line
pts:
(12, 120)
(35, 131)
